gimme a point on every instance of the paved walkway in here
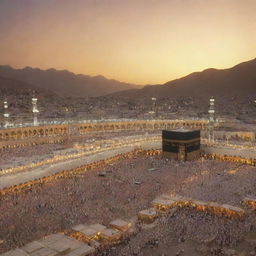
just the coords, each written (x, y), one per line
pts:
(21, 177)
(47, 170)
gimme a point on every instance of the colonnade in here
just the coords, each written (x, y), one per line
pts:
(27, 136)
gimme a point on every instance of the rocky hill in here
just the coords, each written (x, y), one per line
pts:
(239, 80)
(65, 83)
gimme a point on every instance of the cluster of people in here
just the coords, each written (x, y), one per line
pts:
(129, 185)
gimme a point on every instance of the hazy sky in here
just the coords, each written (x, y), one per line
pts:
(138, 41)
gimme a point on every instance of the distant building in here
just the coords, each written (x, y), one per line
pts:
(181, 144)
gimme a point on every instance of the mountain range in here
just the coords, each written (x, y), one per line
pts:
(239, 80)
(62, 82)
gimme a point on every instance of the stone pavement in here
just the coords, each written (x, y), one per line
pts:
(53, 245)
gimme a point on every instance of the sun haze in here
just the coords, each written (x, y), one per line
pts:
(137, 41)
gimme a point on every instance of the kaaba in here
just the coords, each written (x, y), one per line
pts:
(181, 144)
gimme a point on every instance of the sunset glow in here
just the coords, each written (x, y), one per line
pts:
(137, 41)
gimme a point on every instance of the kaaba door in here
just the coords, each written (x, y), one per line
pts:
(182, 153)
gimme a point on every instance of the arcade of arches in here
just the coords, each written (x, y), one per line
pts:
(27, 136)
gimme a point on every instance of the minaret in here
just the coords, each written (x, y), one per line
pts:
(211, 120)
(153, 107)
(6, 114)
(35, 110)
